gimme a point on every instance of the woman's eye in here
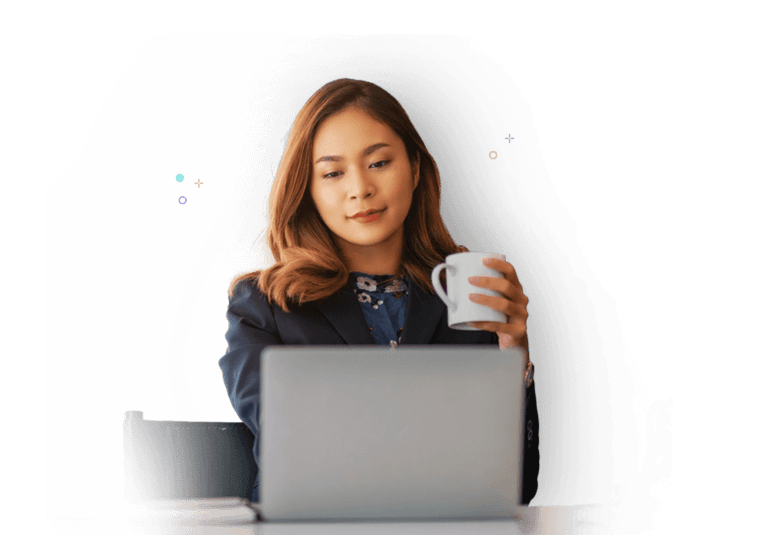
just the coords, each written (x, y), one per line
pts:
(377, 166)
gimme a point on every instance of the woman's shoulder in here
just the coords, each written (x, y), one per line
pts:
(247, 288)
(247, 292)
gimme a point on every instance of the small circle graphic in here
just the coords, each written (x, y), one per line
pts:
(492, 155)
(179, 177)
(184, 201)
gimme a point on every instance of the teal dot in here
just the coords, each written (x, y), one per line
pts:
(179, 177)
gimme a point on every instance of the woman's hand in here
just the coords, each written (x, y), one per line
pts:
(513, 303)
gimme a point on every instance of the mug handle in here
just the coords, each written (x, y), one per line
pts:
(439, 287)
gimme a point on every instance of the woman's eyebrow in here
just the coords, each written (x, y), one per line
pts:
(366, 152)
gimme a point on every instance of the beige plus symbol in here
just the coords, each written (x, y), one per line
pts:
(198, 183)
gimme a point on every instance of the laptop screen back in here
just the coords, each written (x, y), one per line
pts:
(371, 432)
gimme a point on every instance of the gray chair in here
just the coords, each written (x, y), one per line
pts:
(167, 460)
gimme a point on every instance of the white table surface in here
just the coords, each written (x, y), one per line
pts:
(208, 520)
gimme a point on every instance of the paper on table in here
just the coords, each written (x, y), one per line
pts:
(207, 511)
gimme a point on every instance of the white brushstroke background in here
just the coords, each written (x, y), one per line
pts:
(136, 287)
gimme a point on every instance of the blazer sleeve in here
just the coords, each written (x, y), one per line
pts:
(251, 328)
(531, 458)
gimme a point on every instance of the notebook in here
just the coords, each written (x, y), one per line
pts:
(380, 433)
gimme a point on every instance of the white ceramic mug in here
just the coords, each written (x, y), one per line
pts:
(459, 267)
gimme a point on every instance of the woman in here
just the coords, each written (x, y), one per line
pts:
(340, 279)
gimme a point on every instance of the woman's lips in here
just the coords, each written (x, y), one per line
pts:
(367, 213)
(369, 218)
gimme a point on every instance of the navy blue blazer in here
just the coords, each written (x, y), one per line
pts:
(255, 324)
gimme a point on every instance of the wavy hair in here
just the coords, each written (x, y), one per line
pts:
(308, 264)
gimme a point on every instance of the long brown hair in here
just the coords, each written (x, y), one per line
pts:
(308, 265)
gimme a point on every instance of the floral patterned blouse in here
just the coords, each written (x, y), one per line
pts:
(384, 300)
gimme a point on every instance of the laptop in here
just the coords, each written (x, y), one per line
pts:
(380, 433)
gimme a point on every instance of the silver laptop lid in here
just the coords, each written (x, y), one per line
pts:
(372, 432)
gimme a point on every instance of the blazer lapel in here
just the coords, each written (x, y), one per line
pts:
(422, 318)
(425, 310)
(343, 312)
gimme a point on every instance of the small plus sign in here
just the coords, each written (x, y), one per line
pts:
(509, 139)
(198, 183)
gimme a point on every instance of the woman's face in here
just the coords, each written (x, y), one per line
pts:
(361, 176)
